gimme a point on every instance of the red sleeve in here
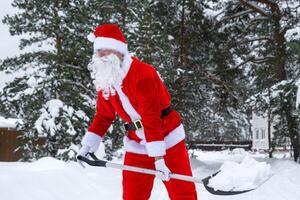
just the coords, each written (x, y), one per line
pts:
(149, 109)
(105, 115)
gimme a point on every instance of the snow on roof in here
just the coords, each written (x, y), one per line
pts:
(8, 122)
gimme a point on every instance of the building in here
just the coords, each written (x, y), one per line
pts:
(260, 137)
(8, 140)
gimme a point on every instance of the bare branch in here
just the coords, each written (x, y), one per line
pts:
(255, 20)
(236, 15)
(243, 40)
(261, 18)
(241, 64)
(257, 39)
(71, 66)
(89, 91)
(251, 59)
(273, 6)
(255, 7)
(262, 59)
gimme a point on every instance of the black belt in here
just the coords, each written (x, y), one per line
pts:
(132, 126)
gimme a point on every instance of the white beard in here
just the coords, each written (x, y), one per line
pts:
(106, 72)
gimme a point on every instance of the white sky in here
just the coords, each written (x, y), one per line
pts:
(9, 44)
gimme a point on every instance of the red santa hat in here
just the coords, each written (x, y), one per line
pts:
(108, 36)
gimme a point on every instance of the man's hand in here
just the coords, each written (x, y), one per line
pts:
(163, 171)
(90, 143)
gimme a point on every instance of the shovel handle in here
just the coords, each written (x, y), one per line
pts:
(151, 172)
(102, 163)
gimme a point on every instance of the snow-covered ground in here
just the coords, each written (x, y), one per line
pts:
(50, 179)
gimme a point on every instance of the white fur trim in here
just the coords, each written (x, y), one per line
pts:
(141, 134)
(91, 140)
(133, 114)
(91, 37)
(110, 43)
(133, 147)
(173, 138)
(126, 63)
(156, 148)
(130, 110)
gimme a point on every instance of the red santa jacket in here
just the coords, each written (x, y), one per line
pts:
(142, 96)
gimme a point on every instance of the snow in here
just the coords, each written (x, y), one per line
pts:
(8, 122)
(293, 34)
(247, 175)
(9, 44)
(50, 115)
(298, 95)
(52, 179)
(214, 9)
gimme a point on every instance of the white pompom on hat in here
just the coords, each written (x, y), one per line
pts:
(91, 37)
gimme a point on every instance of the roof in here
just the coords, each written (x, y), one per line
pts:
(8, 122)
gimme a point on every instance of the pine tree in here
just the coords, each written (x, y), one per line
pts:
(54, 97)
(209, 102)
(269, 63)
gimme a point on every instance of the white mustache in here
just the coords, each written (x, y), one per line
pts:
(106, 71)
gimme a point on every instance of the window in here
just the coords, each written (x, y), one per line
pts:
(257, 134)
(263, 134)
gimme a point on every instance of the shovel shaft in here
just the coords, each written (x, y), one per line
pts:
(151, 172)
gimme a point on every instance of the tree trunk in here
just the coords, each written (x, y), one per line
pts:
(58, 38)
(292, 129)
(183, 53)
(282, 75)
(271, 149)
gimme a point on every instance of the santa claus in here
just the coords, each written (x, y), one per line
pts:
(154, 135)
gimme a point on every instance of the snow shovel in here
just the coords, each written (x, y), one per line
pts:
(102, 163)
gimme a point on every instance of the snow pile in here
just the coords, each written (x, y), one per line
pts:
(47, 163)
(244, 176)
(293, 34)
(237, 155)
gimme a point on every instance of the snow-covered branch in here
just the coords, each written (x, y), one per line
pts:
(257, 39)
(89, 91)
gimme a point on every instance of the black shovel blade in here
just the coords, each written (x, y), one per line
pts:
(96, 162)
(219, 192)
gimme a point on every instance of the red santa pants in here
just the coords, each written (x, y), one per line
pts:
(137, 186)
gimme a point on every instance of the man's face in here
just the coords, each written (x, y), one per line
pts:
(105, 68)
(106, 52)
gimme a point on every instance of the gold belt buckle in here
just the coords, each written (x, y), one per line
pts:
(138, 124)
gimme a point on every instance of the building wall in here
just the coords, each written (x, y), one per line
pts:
(8, 144)
(260, 140)
(260, 132)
